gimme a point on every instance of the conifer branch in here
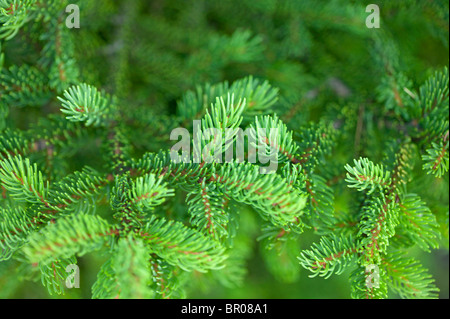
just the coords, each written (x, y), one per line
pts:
(87, 119)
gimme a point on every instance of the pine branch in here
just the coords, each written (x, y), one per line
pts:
(367, 176)
(369, 285)
(54, 275)
(207, 209)
(23, 86)
(86, 164)
(15, 225)
(24, 181)
(74, 235)
(130, 264)
(408, 278)
(182, 246)
(106, 285)
(417, 224)
(331, 255)
(84, 103)
(167, 279)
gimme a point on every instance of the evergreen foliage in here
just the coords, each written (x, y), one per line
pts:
(362, 144)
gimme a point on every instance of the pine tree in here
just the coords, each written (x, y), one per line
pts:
(86, 134)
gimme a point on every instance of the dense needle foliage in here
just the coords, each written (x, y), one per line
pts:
(362, 148)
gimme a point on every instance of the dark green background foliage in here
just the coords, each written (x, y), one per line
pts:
(85, 174)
